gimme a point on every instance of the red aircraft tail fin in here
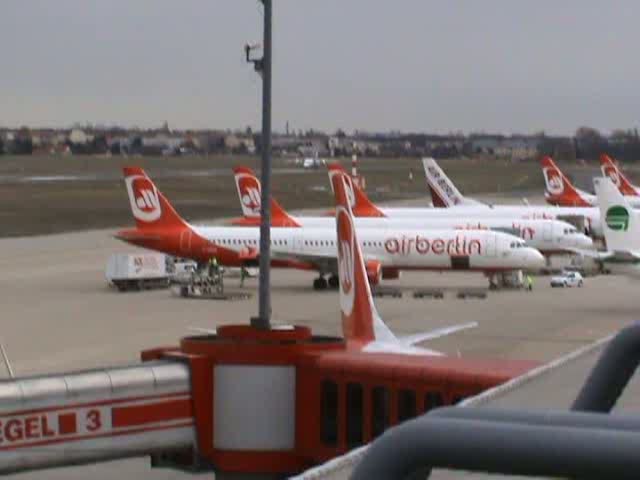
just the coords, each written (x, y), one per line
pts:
(558, 189)
(149, 207)
(610, 169)
(249, 193)
(356, 301)
(361, 205)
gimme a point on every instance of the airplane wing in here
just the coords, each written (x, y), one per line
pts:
(324, 262)
(624, 256)
(621, 256)
(595, 254)
(433, 334)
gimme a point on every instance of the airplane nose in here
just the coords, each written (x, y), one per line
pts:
(585, 242)
(534, 259)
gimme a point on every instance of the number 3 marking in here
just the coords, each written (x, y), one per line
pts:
(93, 420)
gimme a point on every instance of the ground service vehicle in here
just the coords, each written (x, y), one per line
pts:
(567, 279)
(136, 271)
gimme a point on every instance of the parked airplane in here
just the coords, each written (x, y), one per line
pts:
(363, 328)
(621, 230)
(559, 190)
(589, 216)
(387, 250)
(611, 170)
(550, 237)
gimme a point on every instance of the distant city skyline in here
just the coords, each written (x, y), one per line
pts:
(413, 66)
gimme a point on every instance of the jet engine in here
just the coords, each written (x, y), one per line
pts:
(374, 271)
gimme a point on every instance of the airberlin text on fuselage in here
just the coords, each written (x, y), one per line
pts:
(459, 245)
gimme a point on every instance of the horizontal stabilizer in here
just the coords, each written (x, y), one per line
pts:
(208, 331)
(411, 340)
(594, 254)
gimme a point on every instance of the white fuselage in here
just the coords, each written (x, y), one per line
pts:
(394, 248)
(547, 236)
(591, 215)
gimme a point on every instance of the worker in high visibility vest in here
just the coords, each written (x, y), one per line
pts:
(529, 282)
(214, 268)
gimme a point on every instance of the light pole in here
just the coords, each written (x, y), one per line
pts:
(263, 67)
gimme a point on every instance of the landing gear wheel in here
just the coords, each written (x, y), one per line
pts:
(334, 281)
(320, 283)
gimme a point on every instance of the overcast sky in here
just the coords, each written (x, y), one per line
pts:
(420, 65)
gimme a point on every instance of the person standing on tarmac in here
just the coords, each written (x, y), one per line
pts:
(529, 282)
(213, 266)
(243, 275)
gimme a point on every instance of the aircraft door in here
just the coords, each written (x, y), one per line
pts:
(492, 245)
(297, 242)
(547, 232)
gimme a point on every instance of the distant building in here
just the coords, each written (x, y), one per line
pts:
(313, 147)
(239, 143)
(516, 147)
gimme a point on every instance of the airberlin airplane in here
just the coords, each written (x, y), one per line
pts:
(559, 190)
(550, 237)
(611, 170)
(387, 250)
(590, 215)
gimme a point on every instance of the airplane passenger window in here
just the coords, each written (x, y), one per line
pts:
(329, 413)
(406, 405)
(354, 415)
(380, 410)
(432, 400)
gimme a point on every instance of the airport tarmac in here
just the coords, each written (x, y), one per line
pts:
(60, 315)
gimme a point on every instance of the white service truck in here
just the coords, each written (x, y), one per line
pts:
(136, 271)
